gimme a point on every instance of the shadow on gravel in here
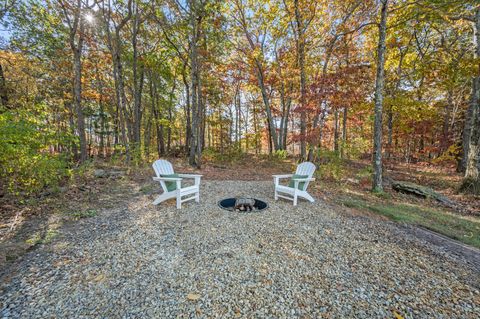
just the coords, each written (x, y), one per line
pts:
(52, 227)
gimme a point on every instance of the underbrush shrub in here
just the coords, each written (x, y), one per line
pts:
(364, 175)
(231, 154)
(330, 165)
(355, 148)
(451, 156)
(280, 155)
(26, 163)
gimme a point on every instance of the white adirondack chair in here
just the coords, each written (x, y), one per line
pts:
(162, 168)
(299, 188)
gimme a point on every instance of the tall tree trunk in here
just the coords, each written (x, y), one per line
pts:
(286, 118)
(71, 122)
(170, 114)
(114, 42)
(319, 116)
(266, 101)
(285, 103)
(138, 79)
(255, 128)
(444, 143)
(389, 131)
(469, 115)
(269, 137)
(231, 128)
(246, 121)
(301, 65)
(196, 101)
(259, 70)
(157, 116)
(344, 132)
(147, 136)
(379, 83)
(471, 181)
(102, 112)
(103, 129)
(76, 24)
(3, 89)
(201, 96)
(187, 111)
(237, 113)
(77, 101)
(336, 132)
(122, 103)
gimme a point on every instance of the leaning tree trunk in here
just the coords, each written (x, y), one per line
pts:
(377, 132)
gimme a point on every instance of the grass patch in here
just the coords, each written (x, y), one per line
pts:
(40, 238)
(381, 194)
(460, 228)
(84, 214)
(147, 189)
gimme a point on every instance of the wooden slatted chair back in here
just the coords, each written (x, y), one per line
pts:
(305, 168)
(163, 167)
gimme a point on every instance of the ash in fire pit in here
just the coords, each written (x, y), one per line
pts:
(242, 204)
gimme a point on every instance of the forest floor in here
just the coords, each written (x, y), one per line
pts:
(45, 228)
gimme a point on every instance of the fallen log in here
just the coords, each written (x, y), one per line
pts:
(421, 191)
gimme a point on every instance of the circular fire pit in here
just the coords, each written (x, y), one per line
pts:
(242, 204)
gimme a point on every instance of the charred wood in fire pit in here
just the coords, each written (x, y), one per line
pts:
(244, 204)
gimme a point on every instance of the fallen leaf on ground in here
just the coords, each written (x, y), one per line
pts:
(193, 297)
(397, 315)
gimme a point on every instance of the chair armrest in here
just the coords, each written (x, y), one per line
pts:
(282, 176)
(168, 179)
(197, 178)
(190, 175)
(303, 179)
(297, 181)
(276, 178)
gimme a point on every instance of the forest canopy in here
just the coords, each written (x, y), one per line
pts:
(135, 80)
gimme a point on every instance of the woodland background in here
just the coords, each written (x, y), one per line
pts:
(129, 81)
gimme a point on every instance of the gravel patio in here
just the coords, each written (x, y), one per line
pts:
(309, 261)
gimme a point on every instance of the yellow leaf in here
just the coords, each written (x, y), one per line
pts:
(397, 315)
